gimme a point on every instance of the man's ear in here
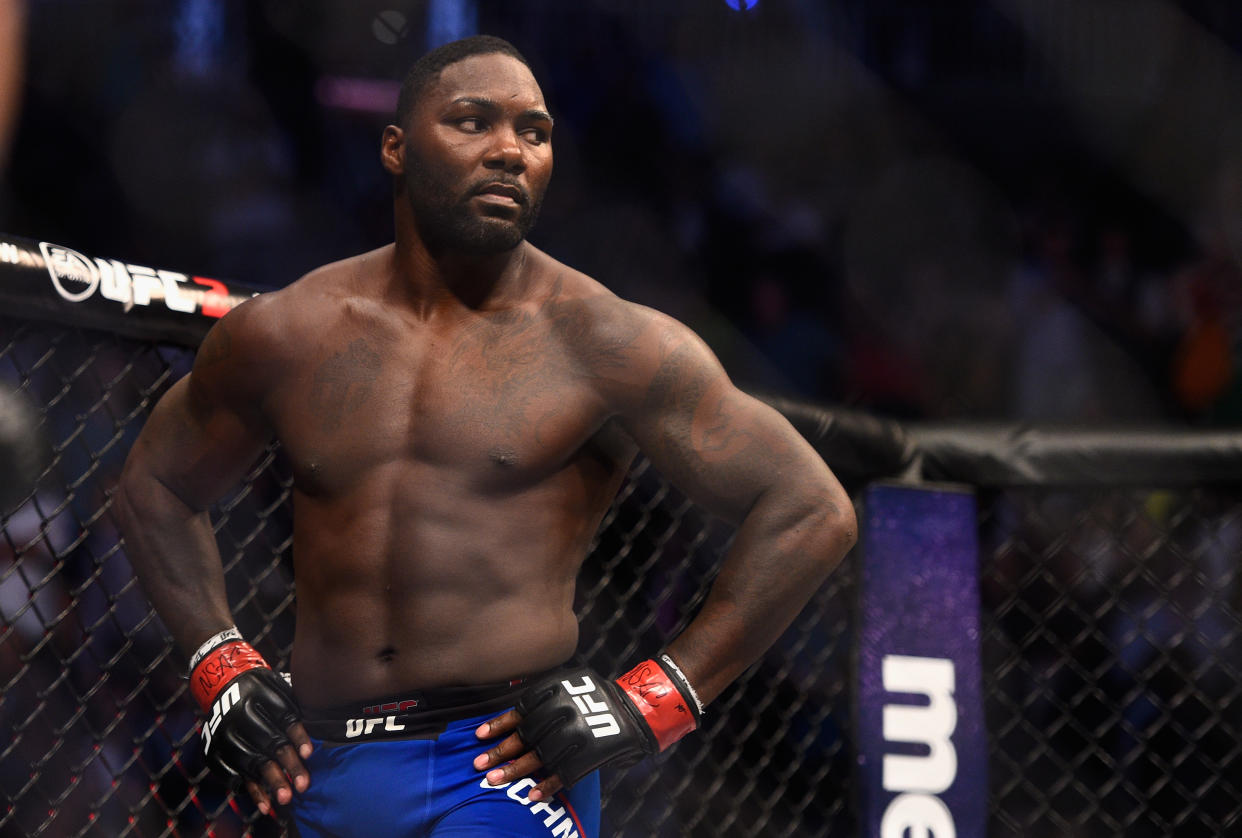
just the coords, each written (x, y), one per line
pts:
(392, 150)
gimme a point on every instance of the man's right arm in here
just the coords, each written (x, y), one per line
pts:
(198, 443)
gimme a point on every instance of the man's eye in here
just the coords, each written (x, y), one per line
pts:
(536, 136)
(471, 123)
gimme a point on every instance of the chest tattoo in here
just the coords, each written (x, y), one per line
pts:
(343, 383)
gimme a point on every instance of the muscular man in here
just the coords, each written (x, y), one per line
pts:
(460, 409)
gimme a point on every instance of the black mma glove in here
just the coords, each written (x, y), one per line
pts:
(249, 707)
(576, 721)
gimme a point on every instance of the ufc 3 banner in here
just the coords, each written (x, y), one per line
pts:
(40, 280)
(922, 744)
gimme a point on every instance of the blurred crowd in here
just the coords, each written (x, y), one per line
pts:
(984, 210)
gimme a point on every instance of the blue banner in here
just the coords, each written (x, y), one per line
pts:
(922, 744)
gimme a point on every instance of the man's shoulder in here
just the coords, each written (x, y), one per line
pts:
(274, 326)
(605, 331)
(329, 284)
(571, 291)
(583, 309)
(303, 303)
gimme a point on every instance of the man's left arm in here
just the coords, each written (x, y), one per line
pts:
(742, 460)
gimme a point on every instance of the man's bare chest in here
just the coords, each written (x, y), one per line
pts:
(490, 408)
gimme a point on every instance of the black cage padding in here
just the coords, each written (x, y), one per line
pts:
(862, 447)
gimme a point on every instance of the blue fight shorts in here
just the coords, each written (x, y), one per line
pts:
(403, 766)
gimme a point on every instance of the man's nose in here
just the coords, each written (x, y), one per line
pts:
(506, 152)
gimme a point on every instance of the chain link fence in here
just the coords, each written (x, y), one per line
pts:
(1111, 647)
(1112, 655)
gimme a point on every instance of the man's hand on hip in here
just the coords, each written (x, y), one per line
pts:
(575, 722)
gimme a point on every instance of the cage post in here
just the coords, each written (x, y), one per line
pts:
(922, 746)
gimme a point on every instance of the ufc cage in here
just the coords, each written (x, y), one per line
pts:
(1039, 634)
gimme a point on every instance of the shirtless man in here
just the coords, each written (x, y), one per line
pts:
(460, 409)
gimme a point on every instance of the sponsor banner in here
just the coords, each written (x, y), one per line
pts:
(922, 744)
(48, 281)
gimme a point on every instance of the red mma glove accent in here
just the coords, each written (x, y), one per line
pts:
(660, 700)
(219, 667)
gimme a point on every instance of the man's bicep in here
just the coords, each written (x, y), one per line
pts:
(196, 449)
(209, 428)
(720, 445)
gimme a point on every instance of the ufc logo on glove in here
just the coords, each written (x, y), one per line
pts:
(219, 708)
(594, 712)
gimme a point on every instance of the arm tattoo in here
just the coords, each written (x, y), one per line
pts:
(709, 435)
(675, 390)
(673, 398)
(718, 433)
(343, 383)
(575, 325)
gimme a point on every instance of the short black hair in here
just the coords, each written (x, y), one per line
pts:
(427, 69)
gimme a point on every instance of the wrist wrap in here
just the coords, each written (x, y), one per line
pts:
(217, 668)
(230, 633)
(665, 699)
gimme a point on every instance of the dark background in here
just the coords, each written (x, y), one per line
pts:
(1010, 209)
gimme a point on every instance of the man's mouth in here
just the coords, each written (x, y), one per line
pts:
(505, 191)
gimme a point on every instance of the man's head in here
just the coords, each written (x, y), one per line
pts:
(471, 151)
(426, 70)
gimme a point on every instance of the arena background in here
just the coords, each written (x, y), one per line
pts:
(1019, 212)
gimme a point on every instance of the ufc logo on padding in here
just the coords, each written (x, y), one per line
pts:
(593, 711)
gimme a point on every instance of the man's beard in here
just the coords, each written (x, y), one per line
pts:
(446, 220)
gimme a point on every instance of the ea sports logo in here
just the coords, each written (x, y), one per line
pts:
(73, 275)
